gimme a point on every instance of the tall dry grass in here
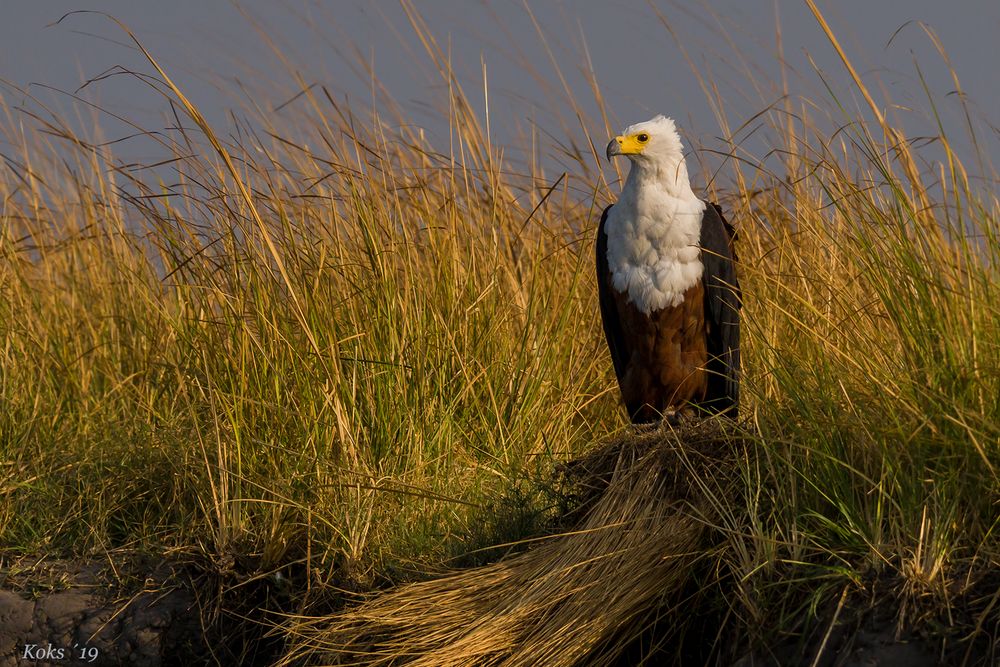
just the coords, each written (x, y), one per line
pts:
(337, 349)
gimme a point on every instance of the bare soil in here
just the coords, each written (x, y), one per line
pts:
(96, 613)
(127, 613)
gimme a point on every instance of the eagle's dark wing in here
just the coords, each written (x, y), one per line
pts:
(609, 310)
(722, 311)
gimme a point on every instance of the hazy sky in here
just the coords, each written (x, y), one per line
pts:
(215, 48)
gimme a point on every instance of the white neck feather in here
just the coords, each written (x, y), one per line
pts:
(653, 235)
(670, 175)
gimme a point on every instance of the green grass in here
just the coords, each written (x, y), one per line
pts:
(344, 348)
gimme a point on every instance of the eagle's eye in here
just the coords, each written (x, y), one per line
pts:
(642, 137)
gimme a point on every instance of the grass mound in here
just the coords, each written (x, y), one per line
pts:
(579, 597)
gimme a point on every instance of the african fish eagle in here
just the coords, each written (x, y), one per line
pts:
(666, 278)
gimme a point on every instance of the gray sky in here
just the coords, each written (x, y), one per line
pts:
(214, 50)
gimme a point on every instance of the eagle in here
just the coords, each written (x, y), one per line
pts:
(666, 276)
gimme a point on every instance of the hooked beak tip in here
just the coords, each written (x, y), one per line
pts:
(614, 148)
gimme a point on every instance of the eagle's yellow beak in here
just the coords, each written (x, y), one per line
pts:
(622, 145)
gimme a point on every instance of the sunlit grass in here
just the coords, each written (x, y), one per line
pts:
(342, 350)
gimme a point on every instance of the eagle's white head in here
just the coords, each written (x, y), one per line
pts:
(655, 150)
(654, 228)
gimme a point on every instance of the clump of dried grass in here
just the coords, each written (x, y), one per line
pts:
(578, 597)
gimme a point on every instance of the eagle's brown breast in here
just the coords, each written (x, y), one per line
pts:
(685, 358)
(665, 371)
